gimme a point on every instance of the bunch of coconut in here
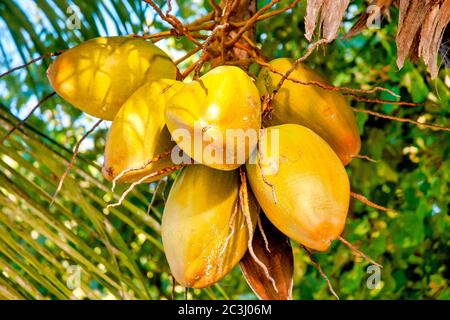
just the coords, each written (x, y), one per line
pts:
(212, 131)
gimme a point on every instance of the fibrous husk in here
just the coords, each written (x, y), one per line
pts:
(325, 112)
(98, 75)
(214, 110)
(203, 229)
(138, 134)
(301, 185)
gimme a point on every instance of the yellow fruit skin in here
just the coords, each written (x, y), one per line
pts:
(202, 241)
(224, 98)
(311, 186)
(98, 75)
(325, 112)
(138, 133)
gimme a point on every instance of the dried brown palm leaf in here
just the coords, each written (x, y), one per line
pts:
(412, 16)
(432, 34)
(331, 14)
(373, 12)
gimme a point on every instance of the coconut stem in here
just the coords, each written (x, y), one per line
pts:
(150, 175)
(145, 165)
(21, 122)
(406, 120)
(72, 161)
(47, 55)
(368, 202)
(365, 157)
(359, 252)
(155, 192)
(322, 273)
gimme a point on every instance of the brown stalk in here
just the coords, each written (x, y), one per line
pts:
(21, 122)
(310, 50)
(141, 180)
(250, 23)
(417, 123)
(47, 55)
(330, 87)
(145, 165)
(72, 161)
(359, 252)
(269, 14)
(365, 157)
(368, 202)
(322, 273)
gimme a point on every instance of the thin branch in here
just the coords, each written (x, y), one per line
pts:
(47, 55)
(216, 7)
(359, 252)
(269, 14)
(72, 161)
(141, 180)
(188, 55)
(368, 202)
(21, 122)
(319, 268)
(417, 123)
(174, 22)
(169, 7)
(331, 87)
(310, 50)
(172, 32)
(142, 167)
(155, 192)
(250, 23)
(365, 157)
(196, 66)
(278, 11)
(382, 101)
(173, 296)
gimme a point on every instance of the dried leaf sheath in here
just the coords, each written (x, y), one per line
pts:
(279, 261)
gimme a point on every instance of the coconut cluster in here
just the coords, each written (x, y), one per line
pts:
(213, 128)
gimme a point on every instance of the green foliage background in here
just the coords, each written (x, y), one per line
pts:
(119, 251)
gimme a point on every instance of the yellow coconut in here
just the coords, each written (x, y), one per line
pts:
(325, 112)
(138, 134)
(98, 75)
(311, 191)
(216, 120)
(204, 231)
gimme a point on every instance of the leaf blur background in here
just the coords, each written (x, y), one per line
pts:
(119, 251)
